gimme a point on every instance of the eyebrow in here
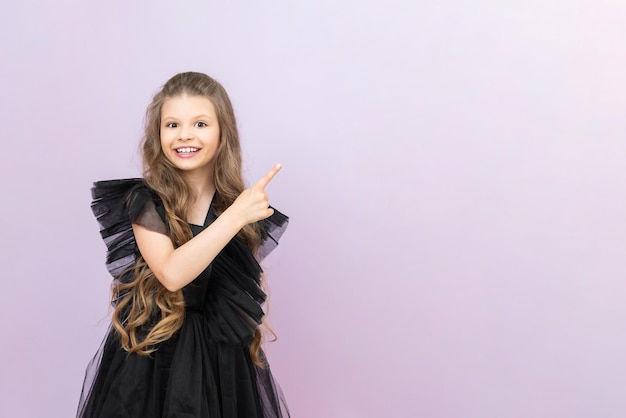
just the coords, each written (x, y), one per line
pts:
(201, 116)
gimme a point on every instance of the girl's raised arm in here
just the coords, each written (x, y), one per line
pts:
(175, 268)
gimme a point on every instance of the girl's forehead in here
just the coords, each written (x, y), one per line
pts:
(184, 104)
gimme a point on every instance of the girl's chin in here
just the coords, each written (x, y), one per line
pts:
(194, 168)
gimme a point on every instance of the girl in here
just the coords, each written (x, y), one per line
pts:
(183, 245)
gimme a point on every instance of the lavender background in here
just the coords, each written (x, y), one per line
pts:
(454, 172)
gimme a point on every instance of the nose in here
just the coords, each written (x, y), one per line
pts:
(185, 134)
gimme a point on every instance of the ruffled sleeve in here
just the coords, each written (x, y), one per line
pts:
(117, 204)
(272, 229)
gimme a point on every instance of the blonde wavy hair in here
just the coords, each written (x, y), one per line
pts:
(137, 302)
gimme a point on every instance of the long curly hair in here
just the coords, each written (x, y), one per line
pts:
(139, 302)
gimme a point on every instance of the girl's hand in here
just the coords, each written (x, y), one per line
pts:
(253, 203)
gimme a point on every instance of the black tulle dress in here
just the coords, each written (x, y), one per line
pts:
(205, 370)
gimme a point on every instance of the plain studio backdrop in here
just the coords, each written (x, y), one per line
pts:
(454, 172)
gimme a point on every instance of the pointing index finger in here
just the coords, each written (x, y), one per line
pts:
(265, 180)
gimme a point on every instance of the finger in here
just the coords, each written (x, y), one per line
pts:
(268, 176)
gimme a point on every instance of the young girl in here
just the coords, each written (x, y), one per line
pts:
(184, 245)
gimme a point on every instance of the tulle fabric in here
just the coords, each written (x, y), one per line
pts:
(205, 370)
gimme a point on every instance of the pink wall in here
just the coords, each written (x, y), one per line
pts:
(454, 172)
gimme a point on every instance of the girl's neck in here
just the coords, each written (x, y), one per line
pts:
(202, 190)
(202, 185)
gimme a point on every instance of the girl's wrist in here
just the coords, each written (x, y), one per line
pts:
(231, 218)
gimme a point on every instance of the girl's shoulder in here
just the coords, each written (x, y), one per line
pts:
(115, 189)
(128, 195)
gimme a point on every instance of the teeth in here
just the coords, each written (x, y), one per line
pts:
(186, 150)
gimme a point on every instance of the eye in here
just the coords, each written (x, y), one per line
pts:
(171, 125)
(201, 125)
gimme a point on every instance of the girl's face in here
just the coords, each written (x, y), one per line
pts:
(190, 133)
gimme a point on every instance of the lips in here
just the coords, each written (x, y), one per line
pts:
(186, 152)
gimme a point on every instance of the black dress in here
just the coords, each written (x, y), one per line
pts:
(205, 369)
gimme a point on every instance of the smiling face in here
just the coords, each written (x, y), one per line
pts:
(190, 134)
